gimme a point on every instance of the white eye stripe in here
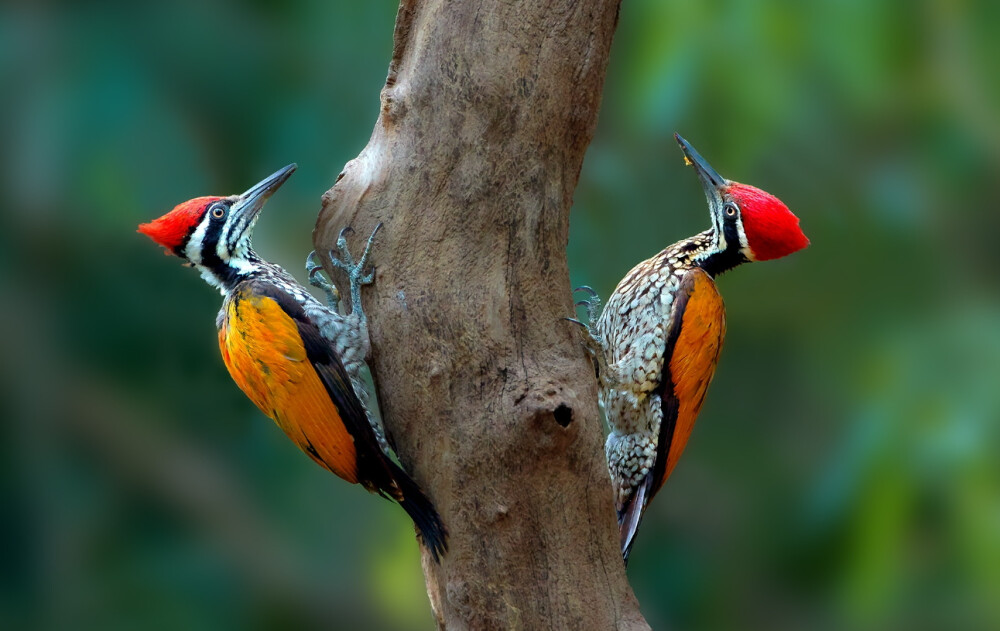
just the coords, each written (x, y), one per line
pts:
(743, 235)
(192, 251)
(222, 250)
(720, 236)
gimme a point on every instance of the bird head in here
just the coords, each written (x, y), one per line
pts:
(746, 220)
(213, 233)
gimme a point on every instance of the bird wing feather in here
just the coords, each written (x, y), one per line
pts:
(697, 329)
(277, 357)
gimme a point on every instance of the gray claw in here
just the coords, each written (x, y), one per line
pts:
(594, 346)
(368, 249)
(592, 304)
(355, 270)
(345, 260)
(314, 269)
(313, 265)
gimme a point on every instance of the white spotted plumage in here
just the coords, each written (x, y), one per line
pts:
(654, 364)
(633, 329)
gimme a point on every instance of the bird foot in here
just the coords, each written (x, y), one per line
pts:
(316, 278)
(593, 343)
(593, 305)
(356, 272)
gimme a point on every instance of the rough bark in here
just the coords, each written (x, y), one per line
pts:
(486, 114)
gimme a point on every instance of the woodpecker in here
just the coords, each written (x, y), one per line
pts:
(296, 359)
(657, 341)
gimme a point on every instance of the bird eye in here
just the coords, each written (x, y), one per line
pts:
(218, 211)
(730, 209)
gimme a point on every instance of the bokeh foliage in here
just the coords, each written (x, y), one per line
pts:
(844, 470)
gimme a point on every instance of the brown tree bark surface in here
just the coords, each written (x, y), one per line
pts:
(486, 391)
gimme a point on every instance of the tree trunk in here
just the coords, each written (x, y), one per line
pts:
(491, 401)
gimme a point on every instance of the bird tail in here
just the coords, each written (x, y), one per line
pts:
(630, 516)
(420, 509)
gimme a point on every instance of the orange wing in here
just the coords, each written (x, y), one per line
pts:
(693, 345)
(277, 356)
(263, 348)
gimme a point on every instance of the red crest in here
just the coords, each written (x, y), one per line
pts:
(772, 230)
(171, 229)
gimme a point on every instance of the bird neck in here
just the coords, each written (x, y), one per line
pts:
(721, 251)
(225, 274)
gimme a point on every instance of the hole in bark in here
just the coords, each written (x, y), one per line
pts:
(563, 414)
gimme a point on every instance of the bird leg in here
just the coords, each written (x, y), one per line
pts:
(592, 340)
(315, 271)
(359, 277)
(355, 270)
(348, 332)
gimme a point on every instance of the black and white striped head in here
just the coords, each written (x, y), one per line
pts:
(748, 224)
(213, 233)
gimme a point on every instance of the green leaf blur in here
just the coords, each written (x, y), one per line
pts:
(843, 473)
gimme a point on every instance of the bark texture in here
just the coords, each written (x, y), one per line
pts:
(486, 391)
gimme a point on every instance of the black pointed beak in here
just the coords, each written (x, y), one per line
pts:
(250, 202)
(710, 178)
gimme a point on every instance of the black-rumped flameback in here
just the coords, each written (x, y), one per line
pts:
(296, 359)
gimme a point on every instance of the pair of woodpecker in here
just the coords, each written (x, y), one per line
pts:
(298, 360)
(656, 343)
(658, 338)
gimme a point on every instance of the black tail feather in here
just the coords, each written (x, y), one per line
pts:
(424, 515)
(630, 516)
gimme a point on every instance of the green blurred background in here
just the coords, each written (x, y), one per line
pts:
(844, 474)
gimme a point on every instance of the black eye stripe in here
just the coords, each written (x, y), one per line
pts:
(211, 240)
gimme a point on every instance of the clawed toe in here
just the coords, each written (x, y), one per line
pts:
(346, 262)
(593, 343)
(345, 253)
(368, 249)
(315, 271)
(314, 267)
(592, 304)
(355, 270)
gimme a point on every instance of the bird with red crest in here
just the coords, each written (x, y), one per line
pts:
(658, 338)
(298, 360)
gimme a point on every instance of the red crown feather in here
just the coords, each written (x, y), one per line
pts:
(772, 230)
(171, 229)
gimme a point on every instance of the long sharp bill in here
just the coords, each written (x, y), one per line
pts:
(250, 202)
(709, 176)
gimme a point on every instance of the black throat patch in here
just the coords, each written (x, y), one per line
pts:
(226, 274)
(725, 260)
